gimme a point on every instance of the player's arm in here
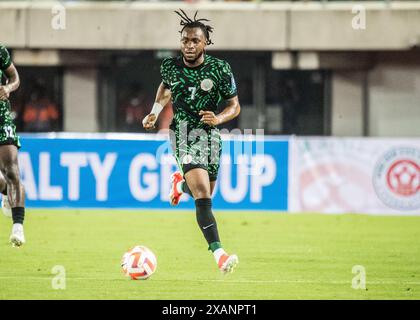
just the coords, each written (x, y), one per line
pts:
(231, 111)
(12, 83)
(163, 96)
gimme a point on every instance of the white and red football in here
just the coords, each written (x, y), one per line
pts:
(139, 263)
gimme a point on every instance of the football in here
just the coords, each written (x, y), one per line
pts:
(139, 263)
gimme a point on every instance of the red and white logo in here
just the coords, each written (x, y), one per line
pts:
(403, 177)
(396, 178)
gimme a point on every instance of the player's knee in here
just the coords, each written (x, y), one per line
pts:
(201, 191)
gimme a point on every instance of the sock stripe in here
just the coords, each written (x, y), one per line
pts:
(203, 202)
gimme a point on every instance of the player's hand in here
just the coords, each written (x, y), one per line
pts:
(149, 121)
(208, 117)
(4, 93)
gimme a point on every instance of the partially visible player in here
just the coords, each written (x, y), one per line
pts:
(13, 199)
(197, 83)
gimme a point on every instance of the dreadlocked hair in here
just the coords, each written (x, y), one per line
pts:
(187, 22)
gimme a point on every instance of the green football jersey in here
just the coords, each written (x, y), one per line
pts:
(197, 88)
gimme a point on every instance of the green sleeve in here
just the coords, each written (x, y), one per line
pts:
(164, 72)
(5, 60)
(227, 86)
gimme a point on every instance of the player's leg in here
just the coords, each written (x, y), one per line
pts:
(198, 183)
(225, 261)
(196, 180)
(201, 187)
(212, 186)
(179, 185)
(5, 204)
(15, 191)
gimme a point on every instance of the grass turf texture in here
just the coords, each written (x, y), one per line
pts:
(281, 256)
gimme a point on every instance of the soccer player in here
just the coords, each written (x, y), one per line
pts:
(13, 199)
(197, 83)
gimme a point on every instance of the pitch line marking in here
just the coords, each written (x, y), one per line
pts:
(225, 281)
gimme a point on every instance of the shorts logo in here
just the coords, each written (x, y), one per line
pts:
(187, 159)
(396, 178)
(206, 84)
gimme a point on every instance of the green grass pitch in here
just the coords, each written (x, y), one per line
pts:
(282, 256)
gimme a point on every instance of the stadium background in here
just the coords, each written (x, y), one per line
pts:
(334, 84)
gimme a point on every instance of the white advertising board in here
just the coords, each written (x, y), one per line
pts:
(354, 175)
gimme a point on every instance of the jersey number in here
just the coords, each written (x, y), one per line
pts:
(193, 90)
(9, 132)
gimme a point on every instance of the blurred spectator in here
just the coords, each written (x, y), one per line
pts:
(40, 114)
(134, 107)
